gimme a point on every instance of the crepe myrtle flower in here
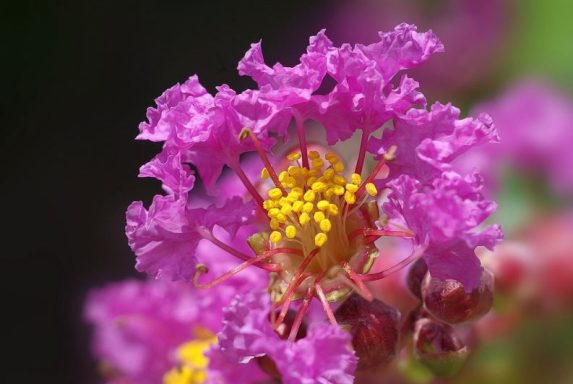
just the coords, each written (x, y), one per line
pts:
(314, 219)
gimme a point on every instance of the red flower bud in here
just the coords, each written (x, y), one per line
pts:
(374, 327)
(448, 301)
(438, 348)
(415, 276)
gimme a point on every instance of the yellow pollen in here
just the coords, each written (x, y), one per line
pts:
(273, 212)
(268, 204)
(274, 224)
(311, 180)
(293, 156)
(303, 218)
(338, 190)
(308, 207)
(275, 193)
(338, 167)
(322, 205)
(328, 174)
(317, 163)
(319, 186)
(320, 239)
(351, 187)
(339, 180)
(293, 171)
(281, 217)
(318, 216)
(371, 189)
(333, 209)
(283, 176)
(275, 237)
(356, 179)
(264, 173)
(290, 231)
(325, 225)
(313, 155)
(297, 206)
(350, 197)
(309, 195)
(286, 209)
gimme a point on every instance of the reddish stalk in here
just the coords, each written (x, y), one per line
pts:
(367, 295)
(232, 272)
(360, 284)
(377, 233)
(361, 153)
(300, 314)
(415, 255)
(324, 302)
(247, 183)
(266, 161)
(301, 139)
(370, 177)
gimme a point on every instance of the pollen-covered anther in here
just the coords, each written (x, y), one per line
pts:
(371, 189)
(320, 239)
(275, 237)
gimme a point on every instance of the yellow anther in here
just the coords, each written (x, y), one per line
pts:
(264, 173)
(338, 190)
(281, 217)
(275, 193)
(352, 187)
(290, 231)
(313, 155)
(322, 205)
(275, 237)
(319, 186)
(268, 204)
(309, 195)
(311, 180)
(329, 156)
(339, 180)
(325, 225)
(329, 192)
(286, 209)
(371, 189)
(293, 171)
(283, 176)
(338, 167)
(317, 163)
(293, 156)
(307, 207)
(297, 206)
(273, 212)
(328, 174)
(320, 239)
(304, 171)
(356, 179)
(333, 209)
(297, 190)
(313, 173)
(319, 216)
(292, 197)
(303, 218)
(274, 224)
(350, 197)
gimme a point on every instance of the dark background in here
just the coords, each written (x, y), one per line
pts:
(77, 78)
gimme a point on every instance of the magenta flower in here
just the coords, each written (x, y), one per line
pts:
(311, 220)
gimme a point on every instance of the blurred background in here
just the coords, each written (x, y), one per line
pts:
(79, 75)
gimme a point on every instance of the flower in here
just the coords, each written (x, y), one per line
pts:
(311, 220)
(157, 331)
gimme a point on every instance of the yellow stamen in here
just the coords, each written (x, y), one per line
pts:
(318, 216)
(309, 196)
(275, 193)
(352, 187)
(290, 231)
(264, 173)
(303, 218)
(356, 179)
(350, 197)
(322, 205)
(293, 156)
(371, 189)
(320, 239)
(325, 225)
(308, 207)
(275, 237)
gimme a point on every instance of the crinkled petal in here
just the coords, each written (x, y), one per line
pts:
(176, 177)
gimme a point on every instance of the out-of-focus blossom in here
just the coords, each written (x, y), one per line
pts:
(535, 122)
(472, 30)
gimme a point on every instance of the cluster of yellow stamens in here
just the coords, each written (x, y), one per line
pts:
(192, 359)
(309, 200)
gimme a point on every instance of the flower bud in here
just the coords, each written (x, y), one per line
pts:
(438, 348)
(448, 301)
(374, 327)
(415, 276)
